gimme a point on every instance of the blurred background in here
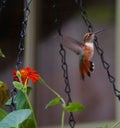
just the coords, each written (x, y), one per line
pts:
(95, 93)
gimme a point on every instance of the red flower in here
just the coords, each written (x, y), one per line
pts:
(26, 74)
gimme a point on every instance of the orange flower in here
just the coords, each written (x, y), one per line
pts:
(26, 74)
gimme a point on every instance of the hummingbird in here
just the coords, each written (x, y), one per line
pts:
(85, 50)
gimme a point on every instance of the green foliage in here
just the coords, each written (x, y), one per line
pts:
(74, 107)
(106, 126)
(18, 85)
(28, 123)
(116, 125)
(8, 103)
(21, 101)
(15, 118)
(3, 114)
(53, 102)
(4, 93)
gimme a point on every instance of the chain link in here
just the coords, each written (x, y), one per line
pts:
(67, 83)
(64, 65)
(23, 34)
(57, 19)
(99, 50)
(21, 47)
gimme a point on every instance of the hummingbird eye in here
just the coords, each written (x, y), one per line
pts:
(90, 34)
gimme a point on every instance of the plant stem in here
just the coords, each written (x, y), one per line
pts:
(30, 106)
(58, 95)
(63, 116)
(116, 124)
(53, 91)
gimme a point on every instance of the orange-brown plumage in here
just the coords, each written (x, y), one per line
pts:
(84, 49)
(85, 65)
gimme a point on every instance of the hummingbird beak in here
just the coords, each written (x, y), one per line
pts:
(98, 31)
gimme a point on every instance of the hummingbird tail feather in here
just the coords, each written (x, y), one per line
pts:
(86, 67)
(92, 66)
(82, 73)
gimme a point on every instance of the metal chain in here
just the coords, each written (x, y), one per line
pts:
(64, 65)
(23, 34)
(21, 47)
(66, 79)
(2, 4)
(99, 50)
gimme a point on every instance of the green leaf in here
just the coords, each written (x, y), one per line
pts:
(115, 125)
(4, 93)
(21, 102)
(106, 126)
(3, 113)
(29, 89)
(19, 99)
(14, 118)
(18, 85)
(29, 123)
(74, 107)
(8, 103)
(53, 102)
(1, 84)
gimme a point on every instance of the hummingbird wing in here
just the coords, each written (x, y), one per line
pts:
(71, 44)
(85, 65)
